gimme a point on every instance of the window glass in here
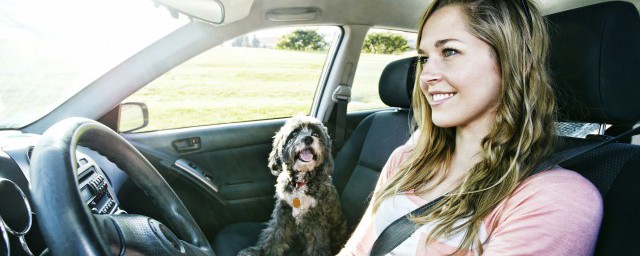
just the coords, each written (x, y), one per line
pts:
(380, 48)
(262, 75)
(50, 50)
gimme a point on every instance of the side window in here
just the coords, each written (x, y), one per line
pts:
(266, 74)
(380, 48)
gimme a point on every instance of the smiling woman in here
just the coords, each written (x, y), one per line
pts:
(50, 50)
(484, 119)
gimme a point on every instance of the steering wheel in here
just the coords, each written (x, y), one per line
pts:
(69, 227)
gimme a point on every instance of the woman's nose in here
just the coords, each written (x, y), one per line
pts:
(431, 73)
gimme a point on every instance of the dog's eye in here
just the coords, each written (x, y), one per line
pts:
(315, 134)
(294, 134)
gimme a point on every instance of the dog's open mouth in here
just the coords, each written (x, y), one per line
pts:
(306, 155)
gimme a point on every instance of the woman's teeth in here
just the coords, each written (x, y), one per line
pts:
(442, 96)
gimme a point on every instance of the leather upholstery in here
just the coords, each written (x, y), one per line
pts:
(67, 224)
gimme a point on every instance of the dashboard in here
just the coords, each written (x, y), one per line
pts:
(99, 181)
(95, 189)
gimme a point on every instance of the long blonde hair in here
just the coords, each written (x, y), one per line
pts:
(522, 133)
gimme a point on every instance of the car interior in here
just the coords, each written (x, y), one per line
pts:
(576, 35)
(223, 188)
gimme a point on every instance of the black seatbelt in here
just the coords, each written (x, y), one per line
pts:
(399, 230)
(342, 96)
(565, 155)
(402, 228)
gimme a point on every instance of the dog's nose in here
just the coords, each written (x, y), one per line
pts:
(308, 140)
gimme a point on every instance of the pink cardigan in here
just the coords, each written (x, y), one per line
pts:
(556, 212)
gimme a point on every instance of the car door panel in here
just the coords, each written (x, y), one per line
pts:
(231, 157)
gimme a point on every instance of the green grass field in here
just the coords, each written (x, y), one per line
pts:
(228, 84)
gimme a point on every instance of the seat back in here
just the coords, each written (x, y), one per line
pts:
(595, 59)
(359, 162)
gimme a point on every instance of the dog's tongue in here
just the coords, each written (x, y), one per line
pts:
(306, 155)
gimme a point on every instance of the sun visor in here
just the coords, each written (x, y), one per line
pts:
(212, 11)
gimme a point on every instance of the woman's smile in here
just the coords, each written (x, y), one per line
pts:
(438, 98)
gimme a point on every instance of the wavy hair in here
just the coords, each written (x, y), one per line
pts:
(521, 136)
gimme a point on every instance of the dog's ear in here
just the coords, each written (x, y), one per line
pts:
(327, 154)
(275, 157)
(275, 163)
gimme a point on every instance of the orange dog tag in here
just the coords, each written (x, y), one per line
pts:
(296, 202)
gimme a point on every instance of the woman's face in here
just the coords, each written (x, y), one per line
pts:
(461, 78)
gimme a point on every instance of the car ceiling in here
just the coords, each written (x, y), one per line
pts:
(398, 14)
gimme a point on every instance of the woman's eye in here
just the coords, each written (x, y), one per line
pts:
(448, 52)
(423, 59)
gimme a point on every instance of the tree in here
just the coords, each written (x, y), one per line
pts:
(385, 43)
(255, 43)
(239, 41)
(302, 40)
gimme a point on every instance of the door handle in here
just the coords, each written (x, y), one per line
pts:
(186, 145)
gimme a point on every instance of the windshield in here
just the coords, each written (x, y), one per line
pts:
(50, 50)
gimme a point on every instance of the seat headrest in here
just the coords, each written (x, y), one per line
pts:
(595, 63)
(396, 82)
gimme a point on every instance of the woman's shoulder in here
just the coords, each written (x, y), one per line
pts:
(556, 190)
(558, 179)
(558, 208)
(402, 152)
(397, 157)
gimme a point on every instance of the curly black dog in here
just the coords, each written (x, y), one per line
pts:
(307, 211)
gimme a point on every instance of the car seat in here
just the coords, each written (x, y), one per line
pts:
(595, 60)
